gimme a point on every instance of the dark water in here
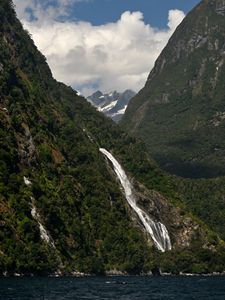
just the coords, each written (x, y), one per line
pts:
(124, 288)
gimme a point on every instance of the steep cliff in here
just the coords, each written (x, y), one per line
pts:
(61, 206)
(180, 111)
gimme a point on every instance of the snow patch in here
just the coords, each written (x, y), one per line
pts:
(120, 112)
(108, 107)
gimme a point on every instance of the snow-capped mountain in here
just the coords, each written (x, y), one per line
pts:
(113, 104)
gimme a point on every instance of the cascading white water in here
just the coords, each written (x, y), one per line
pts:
(157, 230)
(45, 236)
(27, 181)
(43, 232)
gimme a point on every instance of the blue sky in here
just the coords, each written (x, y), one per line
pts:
(155, 11)
(102, 44)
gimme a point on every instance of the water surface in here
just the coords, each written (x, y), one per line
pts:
(112, 288)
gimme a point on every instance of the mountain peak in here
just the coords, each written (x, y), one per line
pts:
(112, 104)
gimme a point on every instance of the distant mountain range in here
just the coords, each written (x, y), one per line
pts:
(113, 104)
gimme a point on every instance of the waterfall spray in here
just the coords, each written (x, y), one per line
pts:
(157, 230)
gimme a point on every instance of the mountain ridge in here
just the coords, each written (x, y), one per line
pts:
(62, 209)
(179, 112)
(112, 104)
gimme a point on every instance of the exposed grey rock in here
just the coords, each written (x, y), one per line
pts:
(220, 7)
(26, 146)
(181, 228)
(113, 104)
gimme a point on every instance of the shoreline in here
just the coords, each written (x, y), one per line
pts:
(106, 275)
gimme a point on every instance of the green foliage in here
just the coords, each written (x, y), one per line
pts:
(52, 136)
(180, 111)
(205, 198)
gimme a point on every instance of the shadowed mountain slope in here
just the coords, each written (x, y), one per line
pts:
(180, 113)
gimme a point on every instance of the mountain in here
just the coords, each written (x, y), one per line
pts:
(180, 111)
(113, 104)
(77, 193)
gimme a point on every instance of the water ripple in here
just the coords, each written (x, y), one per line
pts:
(112, 288)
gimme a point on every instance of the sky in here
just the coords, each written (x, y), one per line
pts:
(102, 44)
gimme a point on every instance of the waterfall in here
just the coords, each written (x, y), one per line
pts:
(43, 232)
(88, 135)
(157, 230)
(27, 181)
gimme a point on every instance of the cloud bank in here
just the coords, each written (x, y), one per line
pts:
(111, 56)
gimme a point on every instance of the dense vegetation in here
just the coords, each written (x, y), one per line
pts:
(43, 137)
(180, 111)
(52, 136)
(206, 199)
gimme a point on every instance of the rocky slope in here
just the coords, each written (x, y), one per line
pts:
(62, 208)
(113, 104)
(180, 111)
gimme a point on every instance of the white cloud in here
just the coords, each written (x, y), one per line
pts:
(175, 18)
(43, 10)
(21, 6)
(112, 56)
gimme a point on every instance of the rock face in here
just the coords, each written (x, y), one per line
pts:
(183, 229)
(180, 111)
(113, 104)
